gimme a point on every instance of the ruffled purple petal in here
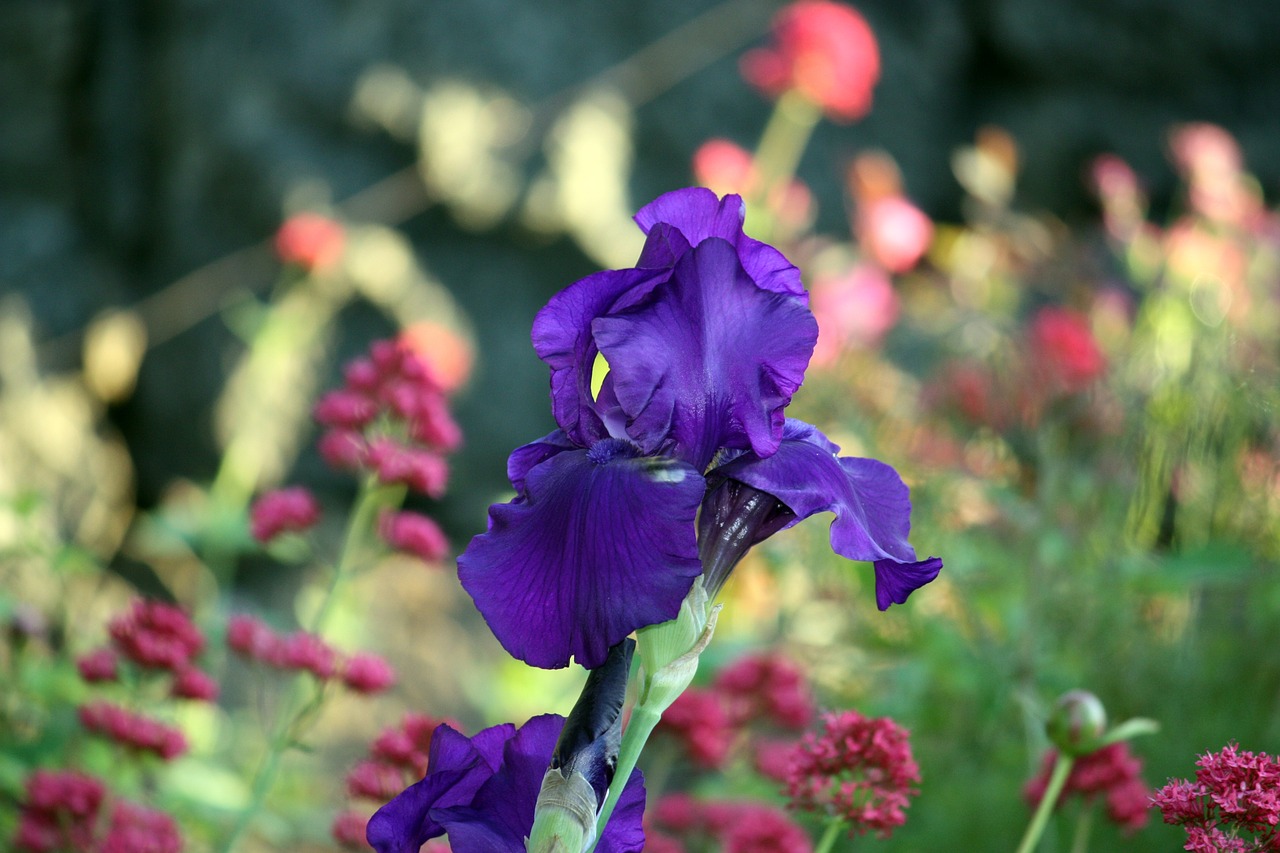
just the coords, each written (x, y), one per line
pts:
(896, 581)
(562, 338)
(697, 213)
(500, 814)
(871, 503)
(601, 544)
(459, 766)
(709, 360)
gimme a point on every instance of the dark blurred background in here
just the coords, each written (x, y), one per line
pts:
(144, 139)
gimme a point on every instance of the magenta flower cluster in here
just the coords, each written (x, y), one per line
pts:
(1113, 773)
(63, 811)
(301, 651)
(1233, 806)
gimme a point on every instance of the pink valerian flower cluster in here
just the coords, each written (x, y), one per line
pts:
(156, 635)
(310, 241)
(135, 731)
(290, 510)
(62, 811)
(301, 651)
(735, 827)
(824, 51)
(1233, 804)
(1112, 772)
(762, 694)
(391, 418)
(396, 759)
(858, 769)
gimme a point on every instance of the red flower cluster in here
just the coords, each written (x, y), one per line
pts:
(135, 731)
(157, 635)
(397, 758)
(310, 241)
(736, 827)
(414, 533)
(858, 769)
(1235, 791)
(61, 810)
(290, 510)
(764, 692)
(823, 50)
(253, 639)
(1064, 348)
(1112, 772)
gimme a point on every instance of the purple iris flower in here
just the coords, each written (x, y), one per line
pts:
(706, 340)
(482, 790)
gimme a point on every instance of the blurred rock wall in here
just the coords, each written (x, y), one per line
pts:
(142, 138)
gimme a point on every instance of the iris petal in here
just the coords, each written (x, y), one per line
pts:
(709, 360)
(698, 214)
(871, 503)
(460, 766)
(895, 581)
(602, 543)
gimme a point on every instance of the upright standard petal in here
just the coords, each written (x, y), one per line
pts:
(602, 543)
(871, 503)
(709, 360)
(698, 214)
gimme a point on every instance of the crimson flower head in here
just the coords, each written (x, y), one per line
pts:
(157, 635)
(858, 769)
(1233, 804)
(284, 510)
(1065, 349)
(1112, 773)
(823, 50)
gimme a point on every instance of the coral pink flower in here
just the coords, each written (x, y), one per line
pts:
(856, 309)
(99, 665)
(1065, 349)
(367, 673)
(698, 720)
(447, 352)
(894, 232)
(825, 51)
(284, 510)
(310, 241)
(725, 167)
(414, 533)
(857, 769)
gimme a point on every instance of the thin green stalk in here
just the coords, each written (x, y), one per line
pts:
(1084, 825)
(829, 836)
(1057, 781)
(360, 529)
(643, 720)
(782, 143)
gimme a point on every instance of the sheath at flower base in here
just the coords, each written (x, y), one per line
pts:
(706, 340)
(482, 790)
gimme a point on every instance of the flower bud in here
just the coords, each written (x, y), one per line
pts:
(1077, 723)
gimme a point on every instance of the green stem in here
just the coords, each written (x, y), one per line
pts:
(829, 836)
(1057, 781)
(360, 529)
(1084, 824)
(643, 720)
(782, 143)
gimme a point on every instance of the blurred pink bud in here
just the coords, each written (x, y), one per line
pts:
(349, 830)
(724, 167)
(156, 634)
(1065, 349)
(342, 449)
(305, 651)
(367, 673)
(284, 510)
(1198, 148)
(825, 51)
(362, 375)
(894, 232)
(251, 638)
(195, 684)
(99, 665)
(344, 409)
(1111, 177)
(418, 469)
(375, 780)
(856, 309)
(310, 241)
(446, 353)
(415, 534)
